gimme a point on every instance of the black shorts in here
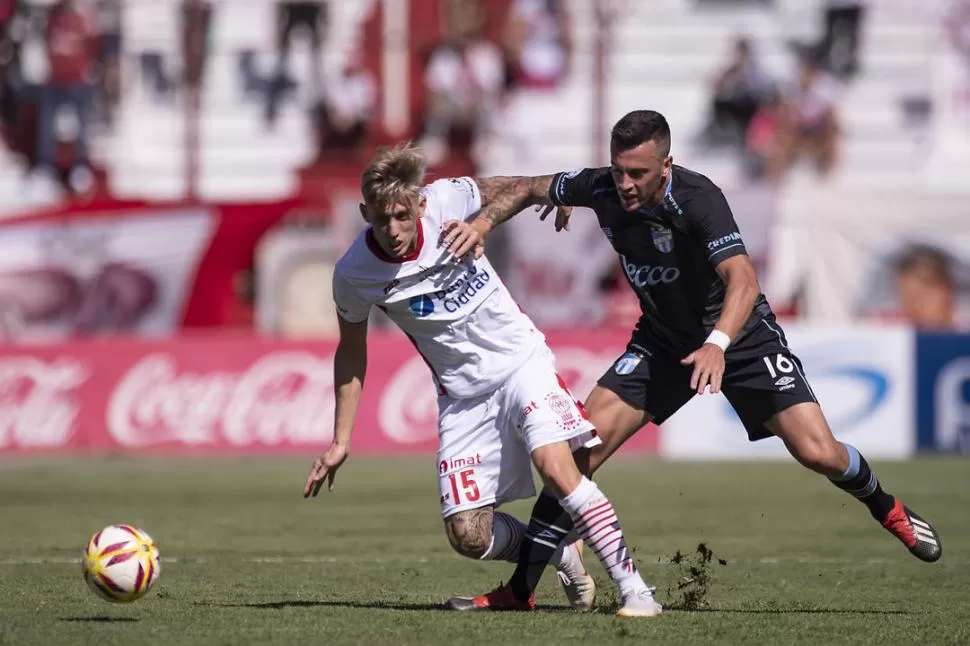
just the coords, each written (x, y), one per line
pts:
(761, 378)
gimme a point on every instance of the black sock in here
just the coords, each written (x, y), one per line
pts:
(548, 527)
(861, 482)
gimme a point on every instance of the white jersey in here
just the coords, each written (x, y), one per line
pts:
(460, 316)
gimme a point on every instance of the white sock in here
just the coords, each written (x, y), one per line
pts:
(507, 535)
(597, 524)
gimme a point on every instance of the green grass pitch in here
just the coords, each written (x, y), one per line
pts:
(247, 561)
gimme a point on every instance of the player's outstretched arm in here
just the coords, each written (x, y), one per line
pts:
(349, 366)
(502, 198)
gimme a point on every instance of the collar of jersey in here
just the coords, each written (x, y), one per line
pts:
(377, 251)
(663, 203)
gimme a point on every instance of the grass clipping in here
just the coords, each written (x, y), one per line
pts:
(695, 574)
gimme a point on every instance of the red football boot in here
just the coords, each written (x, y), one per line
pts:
(501, 598)
(916, 534)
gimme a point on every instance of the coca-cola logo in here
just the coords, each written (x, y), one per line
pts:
(38, 403)
(282, 398)
(408, 410)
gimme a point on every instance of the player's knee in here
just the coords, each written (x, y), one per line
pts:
(819, 454)
(470, 532)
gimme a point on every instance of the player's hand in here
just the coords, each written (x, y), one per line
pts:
(325, 468)
(462, 237)
(562, 215)
(708, 364)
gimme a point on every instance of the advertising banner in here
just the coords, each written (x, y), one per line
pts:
(943, 392)
(237, 394)
(863, 378)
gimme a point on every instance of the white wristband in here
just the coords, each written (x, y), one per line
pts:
(718, 338)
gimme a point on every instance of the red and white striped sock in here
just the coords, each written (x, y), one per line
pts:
(597, 523)
(507, 535)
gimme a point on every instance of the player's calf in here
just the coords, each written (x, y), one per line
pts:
(592, 515)
(810, 441)
(544, 542)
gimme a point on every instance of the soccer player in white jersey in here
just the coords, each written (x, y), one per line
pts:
(500, 403)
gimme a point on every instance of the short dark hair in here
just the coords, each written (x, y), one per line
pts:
(639, 127)
(939, 262)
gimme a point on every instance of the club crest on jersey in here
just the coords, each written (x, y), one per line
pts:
(663, 240)
(567, 415)
(627, 364)
(421, 305)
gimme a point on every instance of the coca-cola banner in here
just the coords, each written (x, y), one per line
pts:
(237, 394)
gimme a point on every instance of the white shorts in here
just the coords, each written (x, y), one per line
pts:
(485, 443)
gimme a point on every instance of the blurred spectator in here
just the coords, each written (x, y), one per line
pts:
(840, 43)
(465, 80)
(957, 25)
(808, 124)
(196, 26)
(70, 53)
(926, 288)
(8, 15)
(761, 138)
(109, 58)
(344, 115)
(538, 43)
(312, 17)
(739, 91)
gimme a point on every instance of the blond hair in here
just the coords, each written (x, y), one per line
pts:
(394, 175)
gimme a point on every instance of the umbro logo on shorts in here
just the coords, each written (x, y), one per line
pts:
(784, 383)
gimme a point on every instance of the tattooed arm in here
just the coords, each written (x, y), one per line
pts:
(501, 198)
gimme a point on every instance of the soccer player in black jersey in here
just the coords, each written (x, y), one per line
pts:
(705, 325)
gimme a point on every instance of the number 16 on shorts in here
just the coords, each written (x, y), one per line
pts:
(781, 368)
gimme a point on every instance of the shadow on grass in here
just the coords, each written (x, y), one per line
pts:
(103, 619)
(440, 607)
(306, 603)
(337, 603)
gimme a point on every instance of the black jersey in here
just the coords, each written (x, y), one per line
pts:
(668, 253)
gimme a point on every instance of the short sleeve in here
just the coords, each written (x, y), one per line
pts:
(576, 187)
(710, 219)
(351, 306)
(460, 196)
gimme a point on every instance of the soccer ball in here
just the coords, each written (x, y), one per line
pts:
(120, 563)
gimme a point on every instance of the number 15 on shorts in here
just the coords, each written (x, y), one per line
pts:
(463, 482)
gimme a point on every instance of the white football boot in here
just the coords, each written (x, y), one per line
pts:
(579, 586)
(640, 604)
